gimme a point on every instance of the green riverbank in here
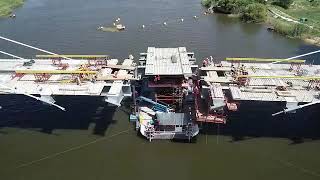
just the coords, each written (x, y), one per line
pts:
(7, 6)
(292, 18)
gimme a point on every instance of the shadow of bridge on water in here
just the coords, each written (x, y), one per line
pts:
(82, 112)
(255, 120)
(251, 121)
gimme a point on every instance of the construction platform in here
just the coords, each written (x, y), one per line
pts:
(254, 79)
(168, 61)
(165, 109)
(84, 75)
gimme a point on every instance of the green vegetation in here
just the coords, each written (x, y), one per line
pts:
(255, 12)
(282, 15)
(249, 10)
(305, 11)
(283, 3)
(288, 29)
(6, 6)
(309, 10)
(206, 3)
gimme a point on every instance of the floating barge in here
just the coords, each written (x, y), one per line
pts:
(165, 108)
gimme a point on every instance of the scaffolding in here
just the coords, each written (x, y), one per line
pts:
(92, 60)
(73, 56)
(208, 116)
(175, 98)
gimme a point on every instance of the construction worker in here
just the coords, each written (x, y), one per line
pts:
(242, 69)
(196, 90)
(211, 59)
(155, 79)
(233, 69)
(94, 79)
(205, 62)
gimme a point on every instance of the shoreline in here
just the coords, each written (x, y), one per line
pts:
(271, 16)
(8, 6)
(307, 38)
(312, 41)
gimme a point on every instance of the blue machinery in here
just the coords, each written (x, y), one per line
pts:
(156, 106)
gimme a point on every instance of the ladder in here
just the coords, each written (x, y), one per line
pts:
(189, 131)
(150, 132)
(177, 93)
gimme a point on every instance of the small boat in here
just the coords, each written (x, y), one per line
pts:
(120, 27)
(12, 16)
(154, 122)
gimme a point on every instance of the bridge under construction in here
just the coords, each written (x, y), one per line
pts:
(175, 95)
(230, 82)
(86, 75)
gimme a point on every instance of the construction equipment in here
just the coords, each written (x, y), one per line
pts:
(74, 56)
(54, 72)
(120, 67)
(295, 108)
(266, 60)
(156, 106)
(280, 77)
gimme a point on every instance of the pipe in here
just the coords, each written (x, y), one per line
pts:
(302, 55)
(12, 55)
(32, 47)
(35, 97)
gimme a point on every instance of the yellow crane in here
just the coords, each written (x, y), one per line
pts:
(74, 56)
(281, 77)
(266, 60)
(55, 72)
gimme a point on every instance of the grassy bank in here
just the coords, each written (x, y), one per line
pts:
(7, 6)
(292, 18)
(308, 11)
(305, 9)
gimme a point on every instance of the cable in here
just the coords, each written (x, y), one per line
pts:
(34, 97)
(12, 55)
(32, 47)
(302, 55)
(69, 150)
(291, 165)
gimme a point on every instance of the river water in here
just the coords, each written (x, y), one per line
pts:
(70, 27)
(39, 142)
